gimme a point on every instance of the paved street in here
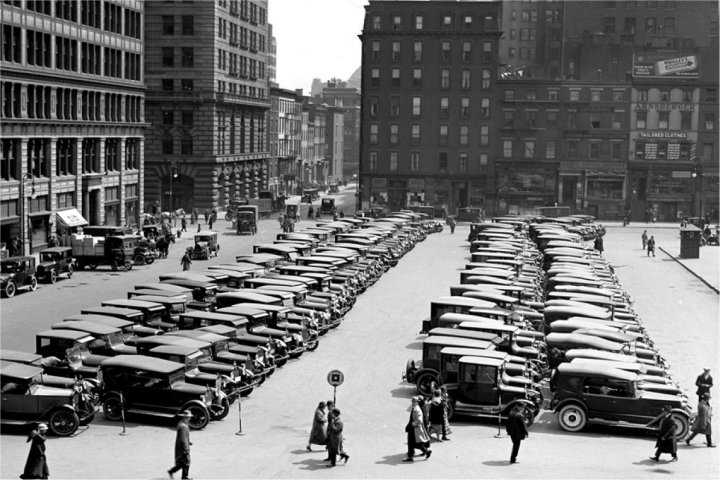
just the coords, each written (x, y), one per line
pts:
(371, 348)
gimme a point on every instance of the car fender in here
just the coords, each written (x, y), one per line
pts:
(568, 401)
(421, 371)
(197, 403)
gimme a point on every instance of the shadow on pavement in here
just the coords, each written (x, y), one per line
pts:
(311, 464)
(498, 463)
(394, 460)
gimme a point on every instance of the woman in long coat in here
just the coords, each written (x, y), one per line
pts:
(36, 464)
(422, 438)
(318, 433)
(667, 440)
(701, 425)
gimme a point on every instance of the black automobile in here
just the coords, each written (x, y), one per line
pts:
(54, 262)
(16, 273)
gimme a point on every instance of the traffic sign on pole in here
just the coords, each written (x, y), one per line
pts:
(335, 378)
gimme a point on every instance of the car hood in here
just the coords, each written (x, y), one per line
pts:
(44, 264)
(670, 399)
(188, 388)
(93, 360)
(6, 276)
(46, 391)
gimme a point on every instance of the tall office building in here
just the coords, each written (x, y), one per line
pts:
(428, 89)
(72, 117)
(207, 102)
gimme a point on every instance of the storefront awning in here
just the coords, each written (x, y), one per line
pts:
(71, 218)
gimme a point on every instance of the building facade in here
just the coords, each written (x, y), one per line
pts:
(285, 139)
(339, 94)
(73, 119)
(207, 103)
(428, 99)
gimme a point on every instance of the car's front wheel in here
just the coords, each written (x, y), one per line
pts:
(572, 418)
(63, 423)
(112, 408)
(10, 289)
(53, 276)
(33, 284)
(682, 426)
(426, 383)
(139, 259)
(220, 410)
(200, 417)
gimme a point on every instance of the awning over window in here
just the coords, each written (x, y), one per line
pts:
(71, 218)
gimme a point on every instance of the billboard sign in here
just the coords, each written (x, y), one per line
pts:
(664, 65)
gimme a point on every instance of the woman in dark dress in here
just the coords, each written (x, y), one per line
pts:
(36, 464)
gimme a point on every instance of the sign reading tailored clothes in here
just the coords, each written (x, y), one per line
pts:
(665, 65)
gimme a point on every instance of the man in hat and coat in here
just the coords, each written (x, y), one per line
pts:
(36, 464)
(702, 421)
(335, 437)
(318, 433)
(666, 440)
(182, 446)
(703, 383)
(517, 430)
(417, 433)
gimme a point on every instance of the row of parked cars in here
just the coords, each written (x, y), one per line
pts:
(539, 320)
(199, 340)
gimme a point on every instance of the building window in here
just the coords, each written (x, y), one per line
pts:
(530, 118)
(186, 84)
(65, 200)
(112, 155)
(373, 161)
(617, 120)
(443, 134)
(465, 79)
(669, 28)
(595, 95)
(396, 50)
(393, 161)
(167, 84)
(442, 161)
(416, 103)
(168, 117)
(394, 130)
(415, 133)
(467, 51)
(507, 148)
(483, 161)
(687, 95)
(511, 52)
(374, 133)
(168, 24)
(10, 159)
(464, 133)
(552, 119)
(397, 22)
(508, 118)
(132, 154)
(616, 150)
(445, 78)
(594, 149)
(417, 77)
(709, 121)
(574, 95)
(641, 120)
(463, 163)
(186, 145)
(376, 22)
(414, 161)
(187, 118)
(486, 79)
(395, 77)
(629, 28)
(685, 120)
(417, 51)
(650, 26)
(447, 21)
(485, 107)
(467, 21)
(550, 149)
(444, 107)
(594, 120)
(465, 107)
(168, 146)
(445, 51)
(419, 22)
(487, 52)
(90, 156)
(663, 120)
(188, 57)
(188, 25)
(618, 95)
(711, 95)
(375, 77)
(375, 50)
(374, 110)
(609, 25)
(484, 135)
(642, 95)
(664, 95)
(509, 94)
(529, 148)
(168, 57)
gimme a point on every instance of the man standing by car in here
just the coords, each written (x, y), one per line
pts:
(704, 383)
(182, 446)
(517, 430)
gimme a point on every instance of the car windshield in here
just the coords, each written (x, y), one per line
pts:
(206, 355)
(222, 346)
(115, 339)
(74, 355)
(48, 257)
(194, 359)
(10, 267)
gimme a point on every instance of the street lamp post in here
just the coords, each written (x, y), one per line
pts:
(23, 219)
(697, 176)
(173, 176)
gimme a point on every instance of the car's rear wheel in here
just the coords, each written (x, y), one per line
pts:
(426, 383)
(139, 259)
(33, 284)
(10, 289)
(112, 408)
(70, 271)
(313, 345)
(63, 423)
(53, 276)
(200, 417)
(572, 418)
(220, 411)
(682, 426)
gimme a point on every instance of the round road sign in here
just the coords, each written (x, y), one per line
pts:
(335, 378)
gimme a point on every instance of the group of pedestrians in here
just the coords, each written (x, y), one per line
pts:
(327, 430)
(426, 418)
(648, 243)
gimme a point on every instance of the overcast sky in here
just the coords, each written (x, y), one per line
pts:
(316, 39)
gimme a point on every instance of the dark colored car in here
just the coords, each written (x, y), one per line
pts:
(54, 262)
(67, 353)
(16, 273)
(108, 340)
(585, 394)
(27, 400)
(138, 384)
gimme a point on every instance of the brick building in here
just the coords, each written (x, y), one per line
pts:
(72, 117)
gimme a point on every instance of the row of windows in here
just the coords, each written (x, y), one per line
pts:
(114, 19)
(416, 106)
(187, 25)
(549, 119)
(247, 39)
(67, 104)
(670, 120)
(250, 140)
(551, 15)
(248, 10)
(241, 89)
(93, 59)
(392, 134)
(240, 66)
(662, 151)
(412, 163)
(445, 51)
(444, 21)
(592, 149)
(599, 94)
(68, 151)
(445, 80)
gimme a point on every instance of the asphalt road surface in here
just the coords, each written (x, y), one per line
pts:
(371, 347)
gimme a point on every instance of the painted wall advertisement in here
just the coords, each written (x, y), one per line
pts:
(664, 65)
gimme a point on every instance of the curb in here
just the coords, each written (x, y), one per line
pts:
(712, 287)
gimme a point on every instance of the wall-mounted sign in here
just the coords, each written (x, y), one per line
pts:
(666, 106)
(665, 65)
(680, 135)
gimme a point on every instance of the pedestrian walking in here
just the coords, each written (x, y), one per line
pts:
(318, 433)
(435, 414)
(517, 430)
(666, 440)
(644, 238)
(702, 421)
(182, 446)
(451, 222)
(416, 433)
(183, 224)
(311, 211)
(185, 260)
(36, 464)
(599, 246)
(210, 222)
(446, 421)
(199, 227)
(704, 383)
(651, 246)
(335, 438)
(207, 215)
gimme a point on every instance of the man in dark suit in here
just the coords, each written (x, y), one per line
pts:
(517, 430)
(703, 383)
(182, 446)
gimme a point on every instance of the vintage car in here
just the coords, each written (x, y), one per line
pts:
(246, 223)
(206, 245)
(451, 304)
(138, 384)
(54, 262)
(585, 393)
(67, 353)
(482, 390)
(153, 314)
(28, 399)
(16, 273)
(129, 329)
(327, 206)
